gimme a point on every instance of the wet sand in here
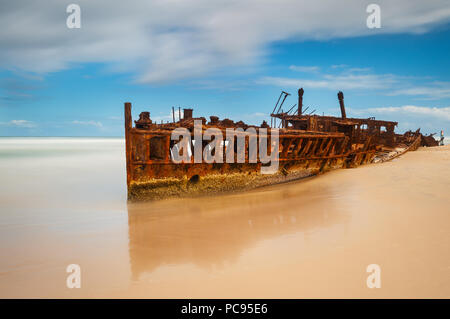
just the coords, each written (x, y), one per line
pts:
(305, 239)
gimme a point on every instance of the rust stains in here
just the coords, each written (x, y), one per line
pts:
(308, 144)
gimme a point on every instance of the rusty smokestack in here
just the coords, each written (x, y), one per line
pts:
(341, 104)
(300, 101)
(187, 114)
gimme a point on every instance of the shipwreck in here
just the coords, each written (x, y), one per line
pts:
(306, 144)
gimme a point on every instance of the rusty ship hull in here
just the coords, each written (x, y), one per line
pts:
(307, 145)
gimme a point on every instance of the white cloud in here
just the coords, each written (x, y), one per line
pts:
(167, 40)
(19, 123)
(115, 118)
(306, 69)
(442, 113)
(359, 69)
(362, 78)
(434, 91)
(258, 114)
(410, 117)
(88, 123)
(166, 118)
(335, 82)
(338, 66)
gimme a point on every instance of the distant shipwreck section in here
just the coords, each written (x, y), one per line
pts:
(300, 145)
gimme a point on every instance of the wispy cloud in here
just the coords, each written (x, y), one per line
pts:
(258, 114)
(430, 119)
(334, 82)
(338, 66)
(437, 112)
(434, 91)
(20, 87)
(359, 70)
(88, 123)
(345, 77)
(305, 69)
(163, 41)
(19, 123)
(115, 118)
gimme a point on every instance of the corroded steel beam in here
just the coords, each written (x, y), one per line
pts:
(307, 145)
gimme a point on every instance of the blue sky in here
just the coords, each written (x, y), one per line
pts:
(399, 72)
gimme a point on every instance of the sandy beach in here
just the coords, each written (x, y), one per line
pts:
(63, 201)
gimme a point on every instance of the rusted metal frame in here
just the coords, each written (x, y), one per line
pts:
(167, 148)
(370, 151)
(306, 148)
(128, 144)
(300, 138)
(321, 146)
(411, 147)
(191, 160)
(363, 157)
(325, 145)
(333, 146)
(148, 149)
(136, 131)
(287, 142)
(292, 146)
(230, 147)
(343, 145)
(235, 153)
(338, 147)
(359, 155)
(323, 165)
(368, 156)
(187, 157)
(320, 149)
(334, 149)
(355, 160)
(301, 134)
(415, 145)
(328, 147)
(161, 162)
(223, 130)
(247, 148)
(313, 149)
(297, 147)
(308, 135)
(224, 150)
(347, 121)
(317, 146)
(314, 157)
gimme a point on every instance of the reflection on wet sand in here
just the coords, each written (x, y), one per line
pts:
(304, 239)
(307, 239)
(216, 230)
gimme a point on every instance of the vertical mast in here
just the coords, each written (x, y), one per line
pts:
(128, 146)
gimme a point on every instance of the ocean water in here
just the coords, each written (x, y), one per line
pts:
(55, 170)
(57, 195)
(63, 202)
